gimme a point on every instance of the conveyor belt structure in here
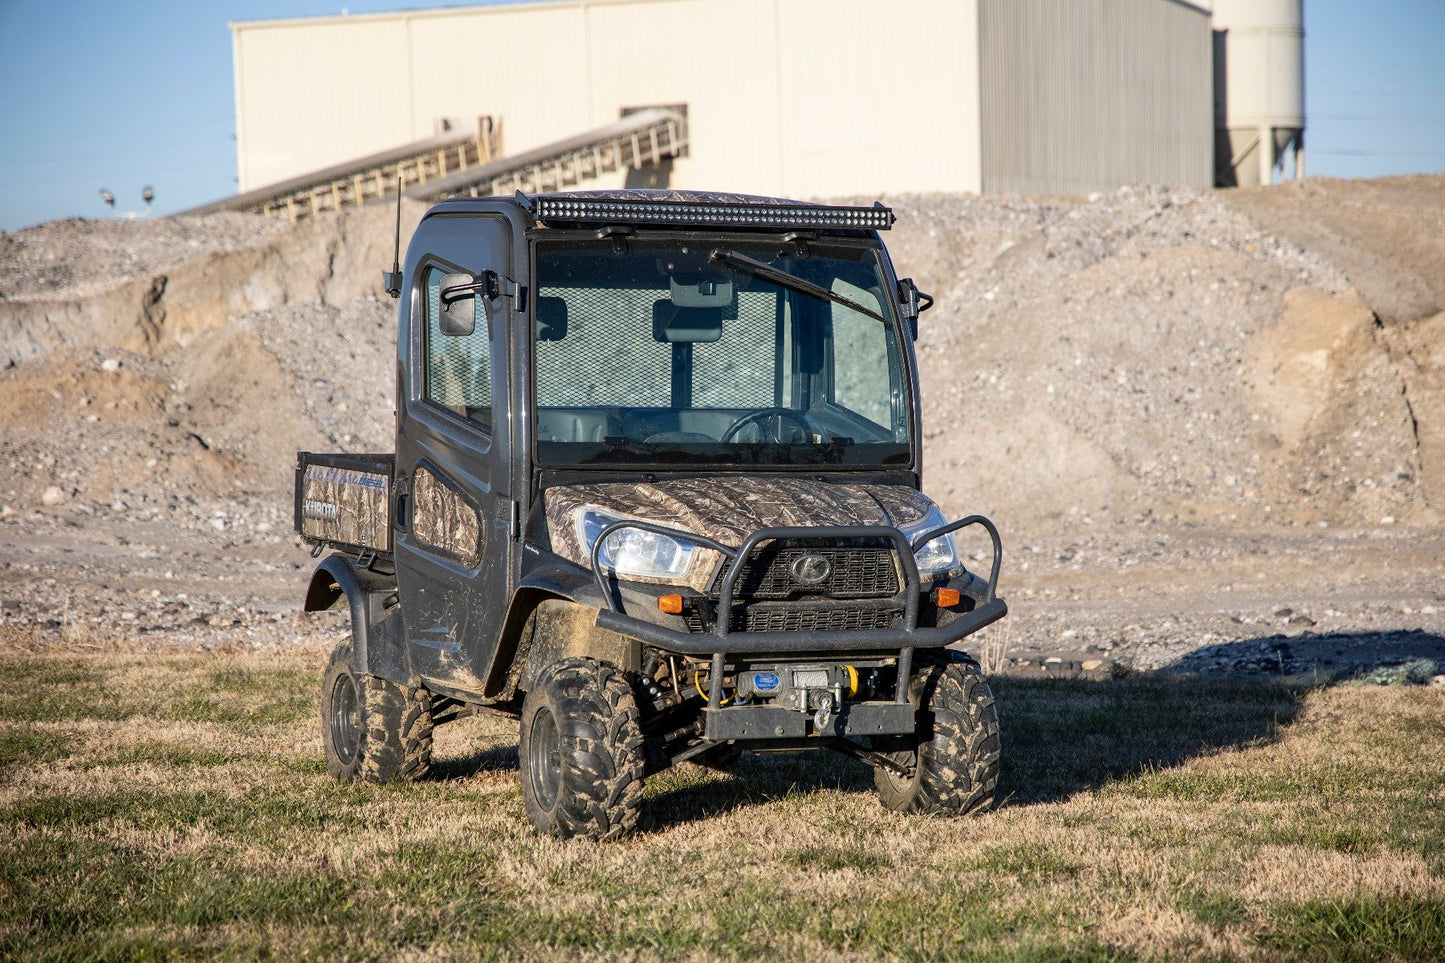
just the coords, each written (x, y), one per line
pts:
(469, 162)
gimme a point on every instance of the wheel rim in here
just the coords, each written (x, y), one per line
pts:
(544, 759)
(345, 720)
(899, 782)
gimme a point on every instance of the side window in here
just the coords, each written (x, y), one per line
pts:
(861, 369)
(458, 367)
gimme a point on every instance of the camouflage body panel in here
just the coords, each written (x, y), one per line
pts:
(441, 518)
(344, 506)
(726, 510)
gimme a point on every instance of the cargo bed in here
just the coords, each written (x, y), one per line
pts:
(344, 501)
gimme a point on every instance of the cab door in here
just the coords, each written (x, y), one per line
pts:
(454, 512)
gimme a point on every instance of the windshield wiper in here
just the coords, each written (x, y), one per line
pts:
(742, 264)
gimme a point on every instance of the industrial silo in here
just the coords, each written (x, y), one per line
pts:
(1258, 89)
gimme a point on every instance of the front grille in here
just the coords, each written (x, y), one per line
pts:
(775, 619)
(856, 573)
(769, 598)
(811, 620)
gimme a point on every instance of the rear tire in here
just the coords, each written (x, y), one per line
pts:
(581, 756)
(955, 761)
(373, 730)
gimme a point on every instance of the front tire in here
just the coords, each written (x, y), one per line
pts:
(955, 757)
(581, 755)
(373, 730)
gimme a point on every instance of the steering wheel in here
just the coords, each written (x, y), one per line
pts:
(762, 415)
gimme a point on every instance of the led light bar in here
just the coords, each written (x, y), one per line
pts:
(777, 216)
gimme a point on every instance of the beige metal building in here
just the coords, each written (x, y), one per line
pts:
(809, 98)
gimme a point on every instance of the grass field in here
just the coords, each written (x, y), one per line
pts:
(176, 805)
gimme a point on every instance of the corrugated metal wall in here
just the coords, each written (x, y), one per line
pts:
(807, 98)
(1083, 95)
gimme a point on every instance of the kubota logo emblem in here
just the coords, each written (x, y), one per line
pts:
(811, 569)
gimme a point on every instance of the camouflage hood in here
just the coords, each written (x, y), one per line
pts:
(728, 510)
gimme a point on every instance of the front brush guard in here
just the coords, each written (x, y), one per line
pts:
(721, 640)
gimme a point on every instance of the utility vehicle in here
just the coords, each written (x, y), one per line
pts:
(655, 494)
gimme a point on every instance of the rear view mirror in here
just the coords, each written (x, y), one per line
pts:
(912, 302)
(700, 290)
(458, 308)
(674, 324)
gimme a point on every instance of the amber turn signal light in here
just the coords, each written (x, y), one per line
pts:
(672, 604)
(945, 597)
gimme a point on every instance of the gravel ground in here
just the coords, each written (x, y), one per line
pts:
(74, 257)
(1206, 451)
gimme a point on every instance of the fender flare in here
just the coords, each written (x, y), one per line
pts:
(521, 654)
(375, 616)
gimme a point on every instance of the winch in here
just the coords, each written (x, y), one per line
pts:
(819, 689)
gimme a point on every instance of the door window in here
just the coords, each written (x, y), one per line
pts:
(458, 367)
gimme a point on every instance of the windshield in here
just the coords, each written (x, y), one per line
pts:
(673, 353)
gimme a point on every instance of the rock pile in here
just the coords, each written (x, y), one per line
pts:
(1116, 379)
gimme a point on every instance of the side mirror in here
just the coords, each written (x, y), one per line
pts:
(913, 302)
(458, 309)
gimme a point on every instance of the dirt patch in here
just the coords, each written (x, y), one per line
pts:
(1386, 235)
(1418, 350)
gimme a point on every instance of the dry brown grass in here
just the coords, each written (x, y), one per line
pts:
(176, 805)
(993, 646)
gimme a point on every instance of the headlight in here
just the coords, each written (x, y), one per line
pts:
(938, 557)
(632, 551)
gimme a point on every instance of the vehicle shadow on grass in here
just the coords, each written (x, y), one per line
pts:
(1066, 736)
(751, 780)
(495, 758)
(1060, 737)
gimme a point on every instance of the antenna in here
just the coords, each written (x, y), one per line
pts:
(391, 280)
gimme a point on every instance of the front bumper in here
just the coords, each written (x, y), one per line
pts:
(732, 723)
(775, 643)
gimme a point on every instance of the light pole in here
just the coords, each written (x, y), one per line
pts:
(148, 194)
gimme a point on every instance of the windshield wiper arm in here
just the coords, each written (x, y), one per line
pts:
(743, 264)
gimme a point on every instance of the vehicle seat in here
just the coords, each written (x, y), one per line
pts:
(576, 424)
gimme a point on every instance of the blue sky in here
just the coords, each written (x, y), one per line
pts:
(123, 94)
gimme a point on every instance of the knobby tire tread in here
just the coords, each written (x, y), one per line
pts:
(603, 752)
(396, 725)
(959, 748)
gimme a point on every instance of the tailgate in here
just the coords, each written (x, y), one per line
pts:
(344, 501)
